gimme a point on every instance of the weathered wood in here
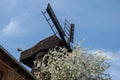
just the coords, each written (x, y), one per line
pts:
(11, 68)
(39, 50)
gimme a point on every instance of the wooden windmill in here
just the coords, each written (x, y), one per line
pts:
(63, 38)
(66, 35)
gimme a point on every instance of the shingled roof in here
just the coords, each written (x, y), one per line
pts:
(28, 55)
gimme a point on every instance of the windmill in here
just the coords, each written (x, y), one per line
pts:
(66, 35)
(62, 37)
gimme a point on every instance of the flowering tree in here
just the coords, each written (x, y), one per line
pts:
(59, 64)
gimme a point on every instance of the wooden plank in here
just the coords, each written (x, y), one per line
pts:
(56, 22)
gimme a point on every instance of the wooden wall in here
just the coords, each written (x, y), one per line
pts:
(8, 73)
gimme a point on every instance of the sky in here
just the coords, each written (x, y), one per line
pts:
(22, 25)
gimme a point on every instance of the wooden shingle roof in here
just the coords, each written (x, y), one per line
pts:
(28, 55)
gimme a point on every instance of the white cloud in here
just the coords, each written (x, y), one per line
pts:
(116, 59)
(12, 28)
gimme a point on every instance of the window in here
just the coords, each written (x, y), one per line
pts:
(0, 75)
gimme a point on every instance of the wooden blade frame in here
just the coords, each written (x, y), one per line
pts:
(58, 27)
(69, 31)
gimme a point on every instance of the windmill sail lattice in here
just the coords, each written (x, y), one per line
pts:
(67, 34)
(69, 31)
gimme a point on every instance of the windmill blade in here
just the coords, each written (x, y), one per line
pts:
(69, 31)
(56, 22)
(55, 26)
(71, 36)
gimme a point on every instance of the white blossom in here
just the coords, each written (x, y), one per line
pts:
(77, 65)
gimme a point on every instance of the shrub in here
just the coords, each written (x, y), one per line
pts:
(77, 65)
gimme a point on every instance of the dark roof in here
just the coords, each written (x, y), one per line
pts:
(14, 64)
(28, 55)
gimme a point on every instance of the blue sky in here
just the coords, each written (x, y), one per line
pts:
(97, 21)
